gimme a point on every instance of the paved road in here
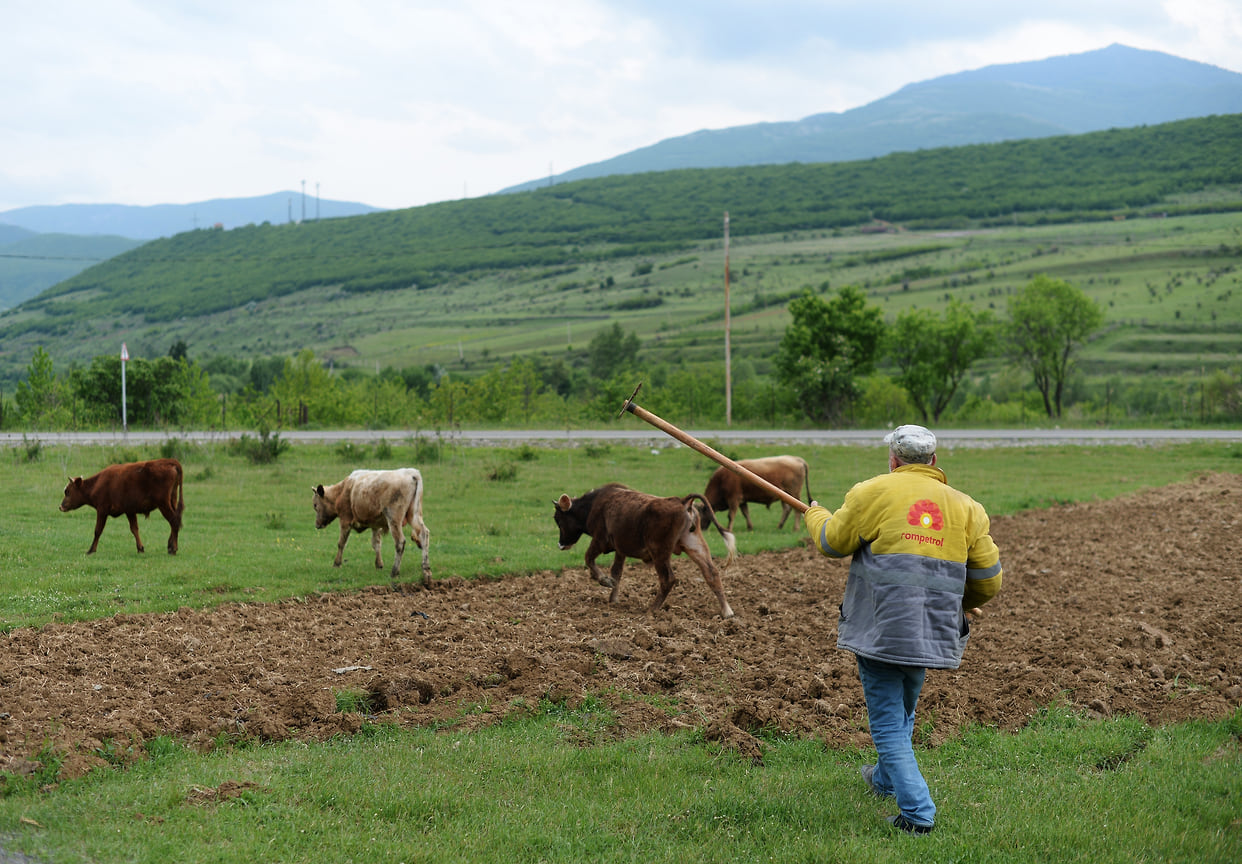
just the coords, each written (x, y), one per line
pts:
(631, 431)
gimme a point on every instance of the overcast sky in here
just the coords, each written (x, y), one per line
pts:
(397, 104)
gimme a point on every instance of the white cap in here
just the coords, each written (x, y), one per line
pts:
(911, 443)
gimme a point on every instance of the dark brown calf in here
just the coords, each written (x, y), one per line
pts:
(728, 490)
(649, 528)
(130, 489)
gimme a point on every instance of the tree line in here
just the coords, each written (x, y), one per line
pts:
(838, 364)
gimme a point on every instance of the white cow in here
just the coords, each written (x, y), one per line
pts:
(383, 501)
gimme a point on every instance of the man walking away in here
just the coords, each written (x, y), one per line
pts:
(922, 558)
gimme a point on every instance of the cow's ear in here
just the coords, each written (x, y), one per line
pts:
(564, 502)
(318, 490)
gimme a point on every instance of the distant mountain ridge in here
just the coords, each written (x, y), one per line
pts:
(164, 220)
(1113, 87)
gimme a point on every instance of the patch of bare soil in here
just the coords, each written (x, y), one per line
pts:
(1130, 606)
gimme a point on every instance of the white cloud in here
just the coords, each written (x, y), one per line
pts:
(402, 103)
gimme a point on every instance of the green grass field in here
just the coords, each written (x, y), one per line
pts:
(1063, 789)
(249, 530)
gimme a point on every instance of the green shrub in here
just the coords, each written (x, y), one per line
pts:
(263, 450)
(349, 451)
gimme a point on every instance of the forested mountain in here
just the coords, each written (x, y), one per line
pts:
(31, 262)
(1114, 87)
(164, 220)
(205, 286)
(43, 245)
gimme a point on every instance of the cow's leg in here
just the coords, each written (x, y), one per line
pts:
(785, 511)
(398, 540)
(133, 529)
(746, 513)
(340, 544)
(101, 519)
(618, 564)
(377, 537)
(696, 550)
(665, 583)
(174, 522)
(421, 536)
(594, 551)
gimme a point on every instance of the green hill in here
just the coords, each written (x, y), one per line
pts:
(466, 283)
(32, 262)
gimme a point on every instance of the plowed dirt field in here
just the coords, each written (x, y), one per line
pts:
(1127, 606)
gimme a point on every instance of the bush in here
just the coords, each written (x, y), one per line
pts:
(427, 450)
(32, 449)
(503, 471)
(262, 450)
(174, 448)
(349, 451)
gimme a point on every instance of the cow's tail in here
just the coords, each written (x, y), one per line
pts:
(416, 503)
(806, 478)
(729, 539)
(179, 502)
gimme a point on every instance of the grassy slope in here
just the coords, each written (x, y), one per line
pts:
(1171, 302)
(479, 303)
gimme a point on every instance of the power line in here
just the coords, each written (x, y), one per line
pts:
(53, 257)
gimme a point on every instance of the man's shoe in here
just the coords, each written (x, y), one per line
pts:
(906, 825)
(867, 772)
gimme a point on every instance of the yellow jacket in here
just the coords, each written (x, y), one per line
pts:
(922, 555)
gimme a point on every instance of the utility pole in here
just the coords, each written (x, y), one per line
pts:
(124, 413)
(728, 347)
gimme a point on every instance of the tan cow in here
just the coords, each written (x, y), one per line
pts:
(728, 490)
(382, 501)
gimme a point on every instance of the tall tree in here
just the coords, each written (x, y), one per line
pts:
(162, 391)
(41, 397)
(611, 351)
(827, 347)
(1049, 320)
(934, 352)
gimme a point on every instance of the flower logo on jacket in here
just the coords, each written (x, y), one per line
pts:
(925, 514)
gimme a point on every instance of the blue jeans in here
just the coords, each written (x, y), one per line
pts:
(892, 692)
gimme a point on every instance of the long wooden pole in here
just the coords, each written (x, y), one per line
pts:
(694, 443)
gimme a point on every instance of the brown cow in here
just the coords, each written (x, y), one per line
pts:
(728, 490)
(383, 501)
(130, 489)
(653, 529)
